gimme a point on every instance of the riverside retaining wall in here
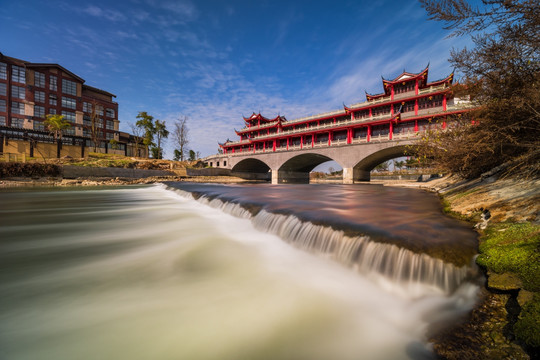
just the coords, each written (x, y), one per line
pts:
(74, 172)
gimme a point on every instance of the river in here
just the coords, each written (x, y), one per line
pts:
(198, 271)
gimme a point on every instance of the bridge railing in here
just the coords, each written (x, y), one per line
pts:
(408, 135)
(325, 126)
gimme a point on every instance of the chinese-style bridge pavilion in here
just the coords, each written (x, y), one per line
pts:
(409, 105)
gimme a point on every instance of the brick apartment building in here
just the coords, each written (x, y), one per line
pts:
(29, 91)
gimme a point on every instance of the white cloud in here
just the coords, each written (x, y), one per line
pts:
(108, 14)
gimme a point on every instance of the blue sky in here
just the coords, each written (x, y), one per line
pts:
(215, 61)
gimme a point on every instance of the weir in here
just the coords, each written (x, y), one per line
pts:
(402, 267)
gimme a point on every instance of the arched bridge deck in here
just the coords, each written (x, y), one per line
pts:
(294, 165)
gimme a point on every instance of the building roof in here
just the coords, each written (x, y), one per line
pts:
(42, 65)
(98, 90)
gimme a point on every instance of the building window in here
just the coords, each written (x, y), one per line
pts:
(39, 96)
(87, 107)
(69, 103)
(86, 132)
(38, 125)
(109, 136)
(69, 115)
(110, 125)
(3, 90)
(69, 87)
(39, 79)
(87, 120)
(16, 122)
(53, 83)
(17, 107)
(39, 111)
(3, 121)
(53, 99)
(52, 111)
(3, 72)
(3, 106)
(18, 92)
(70, 131)
(110, 113)
(18, 74)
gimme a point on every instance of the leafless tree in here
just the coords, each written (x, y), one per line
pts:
(501, 74)
(181, 136)
(138, 135)
(96, 131)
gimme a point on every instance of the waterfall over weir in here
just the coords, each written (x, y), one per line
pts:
(387, 263)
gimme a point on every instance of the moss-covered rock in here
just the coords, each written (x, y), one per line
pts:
(527, 327)
(512, 248)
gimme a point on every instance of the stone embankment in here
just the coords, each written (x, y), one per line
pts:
(506, 322)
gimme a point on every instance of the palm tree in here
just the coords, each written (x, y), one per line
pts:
(57, 124)
(161, 132)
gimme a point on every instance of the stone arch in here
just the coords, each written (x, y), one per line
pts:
(297, 169)
(363, 168)
(251, 168)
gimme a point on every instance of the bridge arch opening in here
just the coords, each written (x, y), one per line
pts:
(362, 170)
(253, 169)
(297, 169)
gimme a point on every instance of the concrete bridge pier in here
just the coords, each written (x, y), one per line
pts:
(352, 175)
(290, 177)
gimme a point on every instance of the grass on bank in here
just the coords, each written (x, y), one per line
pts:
(515, 248)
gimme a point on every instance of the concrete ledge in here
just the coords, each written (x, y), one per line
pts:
(74, 172)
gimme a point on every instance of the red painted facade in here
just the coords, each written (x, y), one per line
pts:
(409, 105)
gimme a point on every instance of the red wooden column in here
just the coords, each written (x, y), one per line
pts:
(444, 102)
(444, 123)
(274, 145)
(329, 138)
(287, 143)
(349, 135)
(392, 92)
(416, 107)
(301, 141)
(370, 112)
(369, 133)
(264, 146)
(313, 140)
(416, 87)
(415, 125)
(391, 133)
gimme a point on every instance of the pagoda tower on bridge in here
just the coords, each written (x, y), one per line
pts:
(408, 106)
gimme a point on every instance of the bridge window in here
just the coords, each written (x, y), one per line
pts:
(360, 133)
(381, 110)
(340, 135)
(404, 128)
(217, 164)
(321, 138)
(381, 130)
(401, 88)
(224, 163)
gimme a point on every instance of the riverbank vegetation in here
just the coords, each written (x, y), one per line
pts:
(498, 141)
(501, 75)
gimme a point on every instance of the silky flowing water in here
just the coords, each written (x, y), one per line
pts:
(227, 272)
